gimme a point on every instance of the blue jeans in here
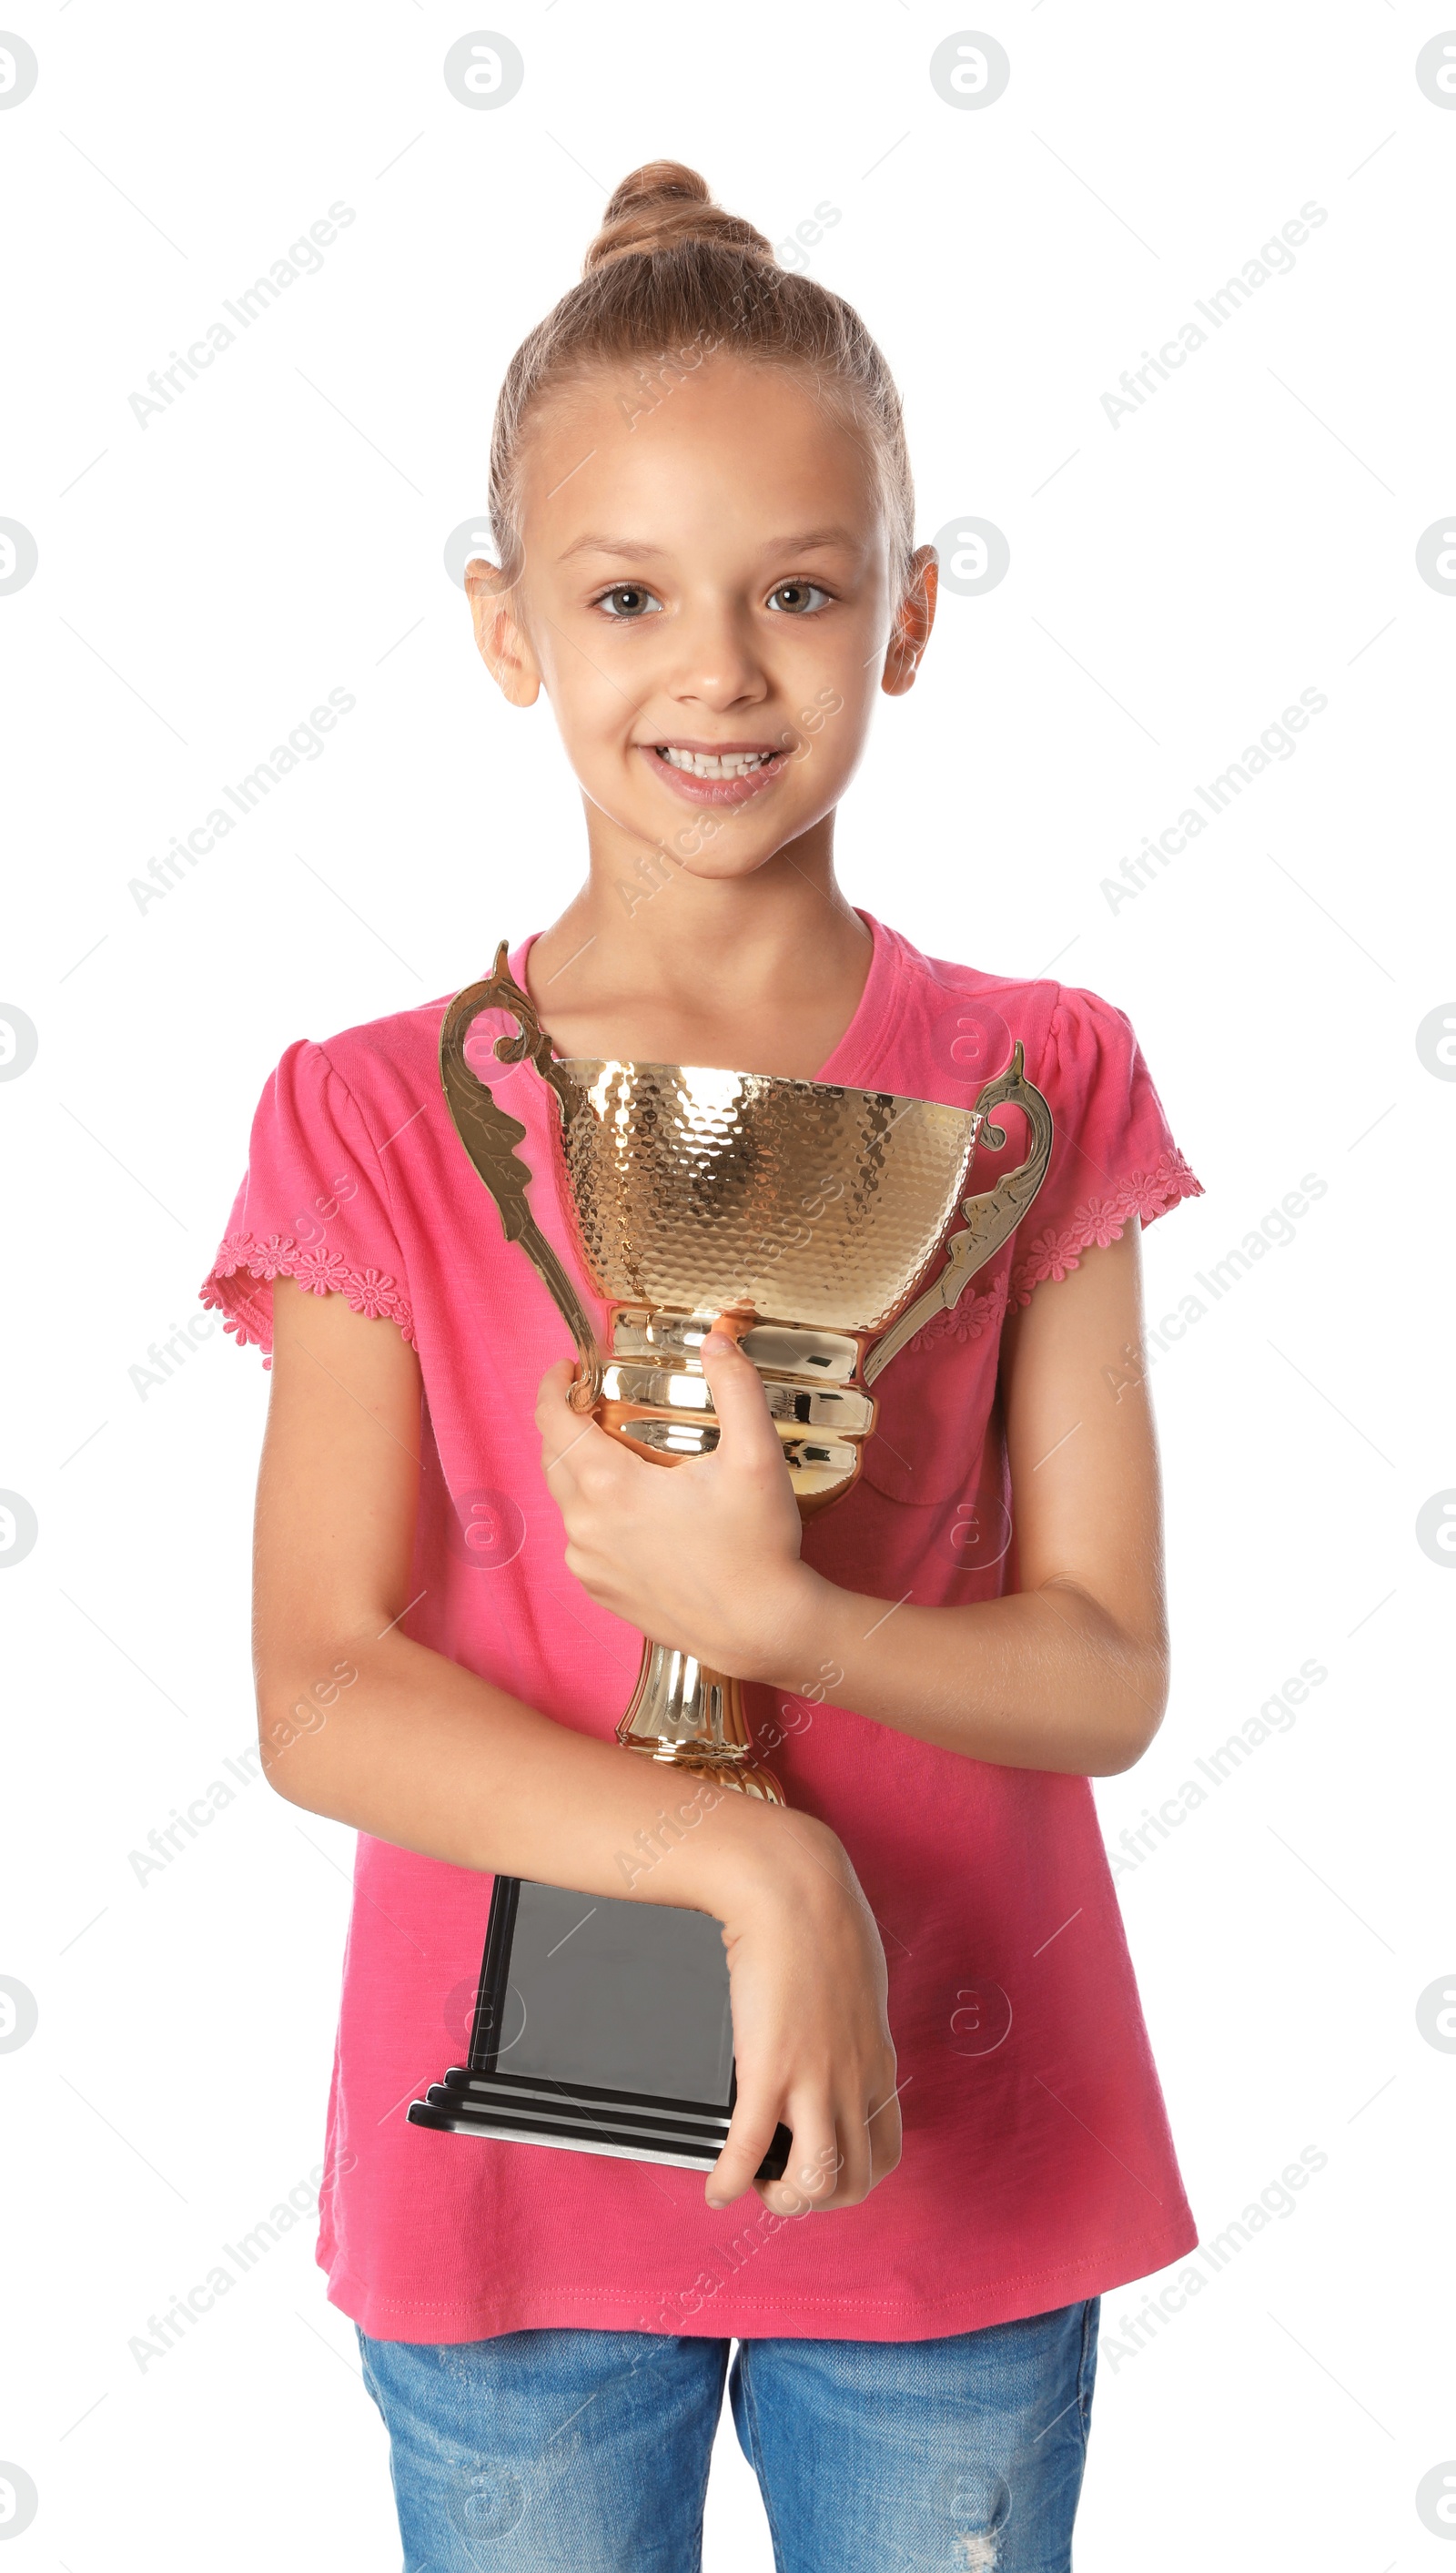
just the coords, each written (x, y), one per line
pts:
(540, 2451)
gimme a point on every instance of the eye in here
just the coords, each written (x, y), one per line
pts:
(792, 597)
(632, 601)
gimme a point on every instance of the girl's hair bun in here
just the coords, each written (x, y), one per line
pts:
(662, 205)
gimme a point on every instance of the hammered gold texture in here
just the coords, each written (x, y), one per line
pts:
(701, 1190)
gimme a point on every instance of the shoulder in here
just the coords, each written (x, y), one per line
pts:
(1112, 1154)
(376, 1074)
(960, 1022)
(375, 1057)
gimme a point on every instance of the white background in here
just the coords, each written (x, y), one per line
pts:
(1175, 580)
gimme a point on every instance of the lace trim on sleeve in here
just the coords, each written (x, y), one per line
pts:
(1102, 1219)
(1052, 1254)
(371, 1291)
(965, 1320)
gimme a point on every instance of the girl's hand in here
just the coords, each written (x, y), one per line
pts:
(703, 1556)
(811, 2041)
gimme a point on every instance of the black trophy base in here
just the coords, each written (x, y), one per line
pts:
(600, 2027)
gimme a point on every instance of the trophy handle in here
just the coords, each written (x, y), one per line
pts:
(991, 1219)
(489, 1134)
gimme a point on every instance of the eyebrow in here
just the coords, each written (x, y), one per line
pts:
(810, 540)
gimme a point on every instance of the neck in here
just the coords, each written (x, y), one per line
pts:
(761, 972)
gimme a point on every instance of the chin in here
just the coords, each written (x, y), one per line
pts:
(718, 866)
(711, 848)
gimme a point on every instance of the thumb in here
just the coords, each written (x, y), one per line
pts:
(553, 1404)
(556, 1384)
(739, 1400)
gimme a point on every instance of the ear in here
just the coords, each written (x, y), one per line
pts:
(914, 618)
(500, 637)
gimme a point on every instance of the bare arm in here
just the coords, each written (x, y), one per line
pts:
(1067, 1673)
(420, 1752)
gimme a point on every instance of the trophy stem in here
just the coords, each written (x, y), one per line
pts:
(690, 1717)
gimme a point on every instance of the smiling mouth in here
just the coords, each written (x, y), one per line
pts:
(717, 764)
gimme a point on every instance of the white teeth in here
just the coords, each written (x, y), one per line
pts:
(706, 763)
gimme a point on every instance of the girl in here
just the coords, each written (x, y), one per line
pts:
(702, 506)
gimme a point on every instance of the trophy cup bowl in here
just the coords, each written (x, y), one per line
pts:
(807, 1215)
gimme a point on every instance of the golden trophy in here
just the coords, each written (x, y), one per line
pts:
(807, 1215)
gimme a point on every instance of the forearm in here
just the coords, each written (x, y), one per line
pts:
(1040, 1679)
(420, 1752)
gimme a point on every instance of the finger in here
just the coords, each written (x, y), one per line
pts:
(854, 2175)
(552, 1391)
(812, 2170)
(881, 2125)
(744, 1420)
(565, 1434)
(750, 2133)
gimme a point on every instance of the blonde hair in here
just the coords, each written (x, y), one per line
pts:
(668, 273)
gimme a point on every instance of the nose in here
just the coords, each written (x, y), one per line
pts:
(716, 662)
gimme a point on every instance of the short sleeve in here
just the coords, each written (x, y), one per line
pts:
(314, 1205)
(1113, 1153)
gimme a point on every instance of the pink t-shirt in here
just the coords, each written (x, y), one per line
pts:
(1038, 2166)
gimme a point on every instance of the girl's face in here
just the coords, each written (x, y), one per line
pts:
(706, 587)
